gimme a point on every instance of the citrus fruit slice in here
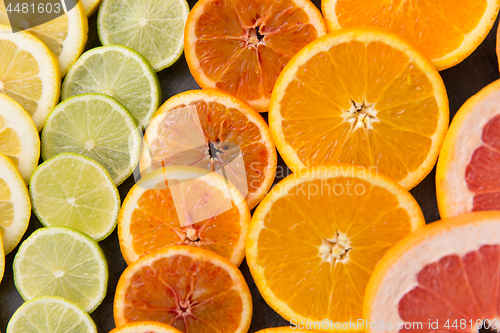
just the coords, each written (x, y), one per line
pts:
(75, 191)
(242, 46)
(361, 96)
(98, 127)
(191, 289)
(50, 315)
(446, 32)
(145, 327)
(65, 35)
(19, 138)
(154, 28)
(90, 6)
(2, 262)
(217, 132)
(468, 169)
(286, 329)
(15, 205)
(119, 72)
(447, 271)
(60, 261)
(316, 237)
(164, 208)
(29, 73)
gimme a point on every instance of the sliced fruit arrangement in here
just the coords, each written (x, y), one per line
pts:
(154, 28)
(50, 315)
(362, 96)
(98, 127)
(2, 261)
(145, 327)
(29, 73)
(19, 138)
(241, 46)
(119, 72)
(60, 261)
(446, 32)
(90, 6)
(315, 239)
(65, 35)
(191, 289)
(75, 191)
(468, 170)
(215, 131)
(445, 274)
(164, 208)
(15, 205)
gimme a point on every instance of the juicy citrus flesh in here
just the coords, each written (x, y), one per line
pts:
(2, 261)
(361, 96)
(426, 24)
(145, 327)
(213, 131)
(201, 292)
(243, 51)
(184, 207)
(332, 225)
(90, 6)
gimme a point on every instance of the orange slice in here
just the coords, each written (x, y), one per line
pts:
(165, 208)
(217, 132)
(362, 96)
(315, 239)
(145, 327)
(286, 329)
(468, 171)
(446, 31)
(241, 46)
(442, 278)
(191, 289)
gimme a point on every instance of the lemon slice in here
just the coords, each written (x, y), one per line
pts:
(15, 205)
(75, 191)
(2, 262)
(50, 315)
(29, 73)
(19, 138)
(154, 28)
(90, 6)
(65, 35)
(60, 261)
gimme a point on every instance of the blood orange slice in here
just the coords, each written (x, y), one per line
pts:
(145, 327)
(443, 277)
(191, 289)
(241, 46)
(468, 170)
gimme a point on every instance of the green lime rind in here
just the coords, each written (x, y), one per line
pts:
(160, 35)
(49, 260)
(25, 316)
(104, 70)
(79, 131)
(103, 176)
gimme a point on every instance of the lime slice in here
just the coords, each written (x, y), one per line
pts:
(50, 315)
(98, 127)
(119, 72)
(74, 191)
(60, 261)
(154, 28)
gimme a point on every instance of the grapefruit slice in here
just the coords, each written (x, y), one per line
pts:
(217, 132)
(145, 327)
(468, 170)
(444, 277)
(241, 46)
(164, 209)
(191, 289)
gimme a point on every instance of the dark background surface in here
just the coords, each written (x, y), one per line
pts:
(462, 81)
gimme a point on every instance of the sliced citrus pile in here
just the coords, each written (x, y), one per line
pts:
(362, 96)
(145, 327)
(65, 35)
(19, 138)
(164, 208)
(15, 205)
(217, 132)
(29, 73)
(90, 6)
(2, 261)
(241, 46)
(442, 278)
(468, 170)
(315, 239)
(446, 31)
(191, 289)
